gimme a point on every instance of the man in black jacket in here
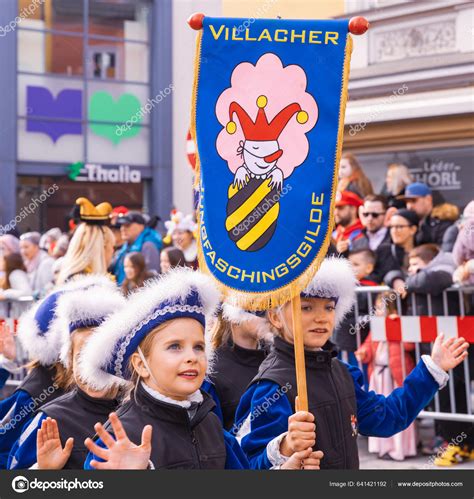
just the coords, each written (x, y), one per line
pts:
(418, 197)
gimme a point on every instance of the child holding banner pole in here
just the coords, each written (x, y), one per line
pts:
(337, 402)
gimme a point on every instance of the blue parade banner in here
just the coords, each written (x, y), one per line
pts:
(268, 117)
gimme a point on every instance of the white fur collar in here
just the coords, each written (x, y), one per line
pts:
(194, 397)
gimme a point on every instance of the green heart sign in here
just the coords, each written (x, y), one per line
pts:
(103, 107)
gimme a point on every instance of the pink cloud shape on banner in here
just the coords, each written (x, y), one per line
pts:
(282, 86)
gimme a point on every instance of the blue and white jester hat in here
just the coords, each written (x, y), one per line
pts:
(181, 293)
(335, 279)
(44, 330)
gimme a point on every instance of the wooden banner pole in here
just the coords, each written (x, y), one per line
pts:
(299, 354)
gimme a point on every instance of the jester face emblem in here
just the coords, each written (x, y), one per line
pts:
(260, 150)
(263, 140)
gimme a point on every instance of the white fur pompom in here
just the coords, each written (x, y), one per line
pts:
(335, 279)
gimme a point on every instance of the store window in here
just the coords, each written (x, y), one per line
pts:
(83, 82)
(119, 19)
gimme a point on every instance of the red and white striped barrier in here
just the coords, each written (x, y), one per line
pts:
(421, 329)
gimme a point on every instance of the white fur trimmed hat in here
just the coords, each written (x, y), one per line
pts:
(179, 222)
(44, 330)
(238, 315)
(181, 293)
(334, 279)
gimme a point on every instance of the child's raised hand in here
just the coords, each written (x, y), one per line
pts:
(50, 454)
(120, 454)
(301, 433)
(304, 460)
(449, 353)
(7, 342)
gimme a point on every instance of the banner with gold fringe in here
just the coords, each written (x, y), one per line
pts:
(268, 118)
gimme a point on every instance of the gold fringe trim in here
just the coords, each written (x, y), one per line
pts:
(197, 67)
(265, 300)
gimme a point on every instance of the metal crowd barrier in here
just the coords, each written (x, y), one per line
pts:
(422, 330)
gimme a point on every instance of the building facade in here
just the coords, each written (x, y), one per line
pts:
(411, 93)
(89, 107)
(99, 97)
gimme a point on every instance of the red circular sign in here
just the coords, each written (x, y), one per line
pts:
(191, 150)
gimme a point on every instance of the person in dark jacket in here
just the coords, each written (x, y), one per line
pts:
(397, 178)
(430, 273)
(79, 311)
(240, 340)
(418, 197)
(338, 404)
(47, 378)
(393, 258)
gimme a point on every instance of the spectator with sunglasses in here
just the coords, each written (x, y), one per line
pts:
(373, 217)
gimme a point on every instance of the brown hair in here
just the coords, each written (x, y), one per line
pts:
(388, 298)
(138, 262)
(13, 261)
(175, 256)
(358, 177)
(221, 332)
(63, 376)
(377, 198)
(425, 252)
(368, 255)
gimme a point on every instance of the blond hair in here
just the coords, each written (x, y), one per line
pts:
(86, 251)
(401, 177)
(221, 332)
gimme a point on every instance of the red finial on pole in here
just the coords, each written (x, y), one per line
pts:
(358, 25)
(195, 20)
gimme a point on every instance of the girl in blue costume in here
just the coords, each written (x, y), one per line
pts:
(80, 306)
(339, 407)
(46, 379)
(44, 382)
(158, 343)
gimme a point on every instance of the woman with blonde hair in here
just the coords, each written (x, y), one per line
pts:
(92, 245)
(352, 177)
(398, 177)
